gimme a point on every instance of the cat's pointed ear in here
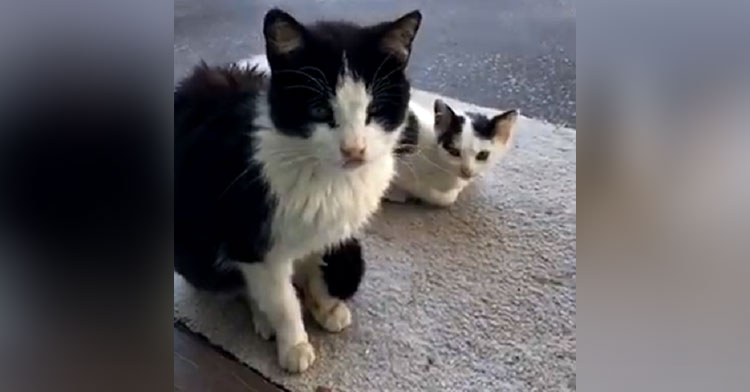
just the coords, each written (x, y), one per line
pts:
(504, 125)
(399, 35)
(444, 116)
(283, 33)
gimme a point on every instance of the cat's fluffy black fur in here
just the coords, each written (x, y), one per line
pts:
(215, 198)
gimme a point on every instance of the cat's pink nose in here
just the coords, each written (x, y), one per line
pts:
(353, 152)
(466, 173)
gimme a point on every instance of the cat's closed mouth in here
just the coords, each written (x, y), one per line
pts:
(353, 163)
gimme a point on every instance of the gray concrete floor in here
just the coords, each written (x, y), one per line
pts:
(496, 53)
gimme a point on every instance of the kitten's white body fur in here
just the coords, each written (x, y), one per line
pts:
(320, 203)
(431, 174)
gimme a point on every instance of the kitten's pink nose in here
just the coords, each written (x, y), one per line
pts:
(466, 173)
(353, 151)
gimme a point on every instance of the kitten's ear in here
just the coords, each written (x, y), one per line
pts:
(399, 35)
(283, 33)
(444, 116)
(504, 125)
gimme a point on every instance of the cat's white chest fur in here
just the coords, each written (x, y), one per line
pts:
(318, 206)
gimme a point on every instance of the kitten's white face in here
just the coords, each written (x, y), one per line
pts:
(471, 155)
(470, 142)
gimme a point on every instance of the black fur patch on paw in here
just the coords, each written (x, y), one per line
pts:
(343, 269)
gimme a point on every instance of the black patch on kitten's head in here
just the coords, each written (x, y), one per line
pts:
(498, 127)
(307, 60)
(448, 124)
(482, 125)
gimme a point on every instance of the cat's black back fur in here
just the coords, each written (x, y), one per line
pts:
(222, 204)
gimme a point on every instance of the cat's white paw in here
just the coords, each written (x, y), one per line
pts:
(262, 326)
(335, 319)
(297, 358)
(442, 202)
(396, 195)
(442, 199)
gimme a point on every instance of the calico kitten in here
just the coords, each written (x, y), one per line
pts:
(443, 151)
(275, 175)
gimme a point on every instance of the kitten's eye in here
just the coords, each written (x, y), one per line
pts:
(453, 151)
(483, 155)
(321, 113)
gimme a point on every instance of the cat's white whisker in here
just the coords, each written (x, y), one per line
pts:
(375, 76)
(318, 70)
(435, 165)
(233, 182)
(319, 83)
(304, 87)
(397, 69)
(290, 162)
(408, 165)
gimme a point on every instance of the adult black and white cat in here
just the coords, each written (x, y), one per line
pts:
(272, 173)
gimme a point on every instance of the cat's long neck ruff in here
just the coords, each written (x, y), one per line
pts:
(316, 202)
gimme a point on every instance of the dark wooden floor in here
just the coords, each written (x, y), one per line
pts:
(200, 367)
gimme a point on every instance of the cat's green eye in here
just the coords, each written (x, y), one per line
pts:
(483, 155)
(321, 113)
(453, 151)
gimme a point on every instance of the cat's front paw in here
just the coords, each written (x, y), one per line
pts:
(442, 199)
(442, 202)
(262, 326)
(297, 358)
(395, 195)
(335, 319)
